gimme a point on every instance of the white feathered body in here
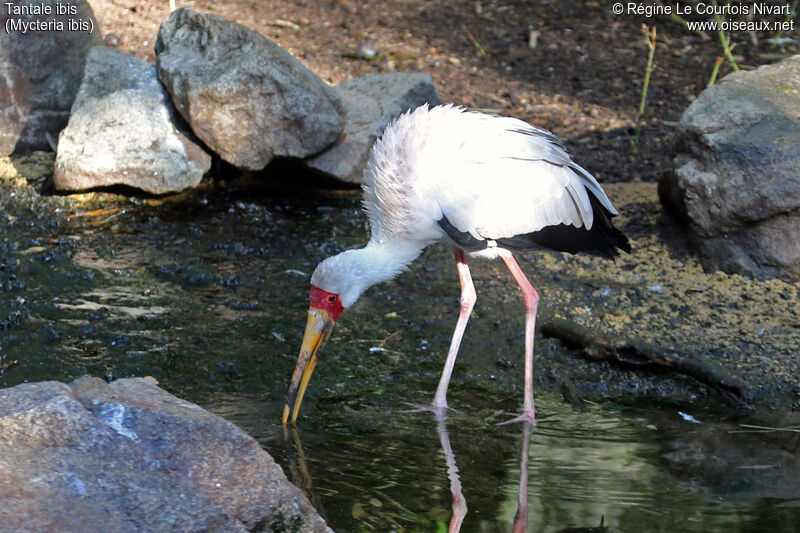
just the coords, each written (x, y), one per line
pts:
(492, 177)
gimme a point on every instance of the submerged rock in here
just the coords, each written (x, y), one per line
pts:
(121, 132)
(42, 62)
(369, 104)
(737, 172)
(128, 456)
(247, 98)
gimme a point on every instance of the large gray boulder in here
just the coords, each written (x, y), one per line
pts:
(737, 172)
(122, 132)
(370, 103)
(247, 98)
(41, 66)
(127, 456)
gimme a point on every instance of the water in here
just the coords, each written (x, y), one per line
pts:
(377, 470)
(209, 297)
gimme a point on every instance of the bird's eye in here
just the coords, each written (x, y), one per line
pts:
(332, 298)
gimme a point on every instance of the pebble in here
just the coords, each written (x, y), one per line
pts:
(366, 51)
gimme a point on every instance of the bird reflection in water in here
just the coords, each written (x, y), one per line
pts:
(521, 518)
(460, 503)
(298, 469)
(301, 476)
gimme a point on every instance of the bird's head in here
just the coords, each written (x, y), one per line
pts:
(336, 284)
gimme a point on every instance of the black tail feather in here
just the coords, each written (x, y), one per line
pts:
(603, 239)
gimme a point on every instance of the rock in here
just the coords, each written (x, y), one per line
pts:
(247, 98)
(41, 61)
(370, 103)
(128, 456)
(737, 172)
(121, 132)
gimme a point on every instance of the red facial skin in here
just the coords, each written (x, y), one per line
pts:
(327, 302)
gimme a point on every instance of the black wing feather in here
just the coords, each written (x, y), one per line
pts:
(465, 240)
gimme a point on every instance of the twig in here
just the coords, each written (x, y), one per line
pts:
(766, 429)
(380, 342)
(727, 49)
(95, 213)
(7, 365)
(281, 23)
(478, 48)
(598, 347)
(725, 40)
(683, 22)
(714, 72)
(650, 34)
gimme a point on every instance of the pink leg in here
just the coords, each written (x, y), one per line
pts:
(468, 298)
(531, 300)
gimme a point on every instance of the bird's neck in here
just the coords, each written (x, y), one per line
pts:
(378, 261)
(384, 260)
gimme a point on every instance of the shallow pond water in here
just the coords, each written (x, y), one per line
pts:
(388, 471)
(209, 296)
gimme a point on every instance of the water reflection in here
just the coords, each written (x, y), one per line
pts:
(578, 470)
(418, 478)
(521, 518)
(298, 468)
(459, 503)
(599, 529)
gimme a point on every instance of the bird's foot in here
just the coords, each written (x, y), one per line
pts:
(439, 411)
(528, 416)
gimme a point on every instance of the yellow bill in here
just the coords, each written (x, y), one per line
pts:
(319, 326)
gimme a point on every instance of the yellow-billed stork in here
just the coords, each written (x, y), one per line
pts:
(489, 185)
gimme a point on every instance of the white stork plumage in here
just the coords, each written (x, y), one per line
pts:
(488, 184)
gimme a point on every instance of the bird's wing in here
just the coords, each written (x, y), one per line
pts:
(512, 178)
